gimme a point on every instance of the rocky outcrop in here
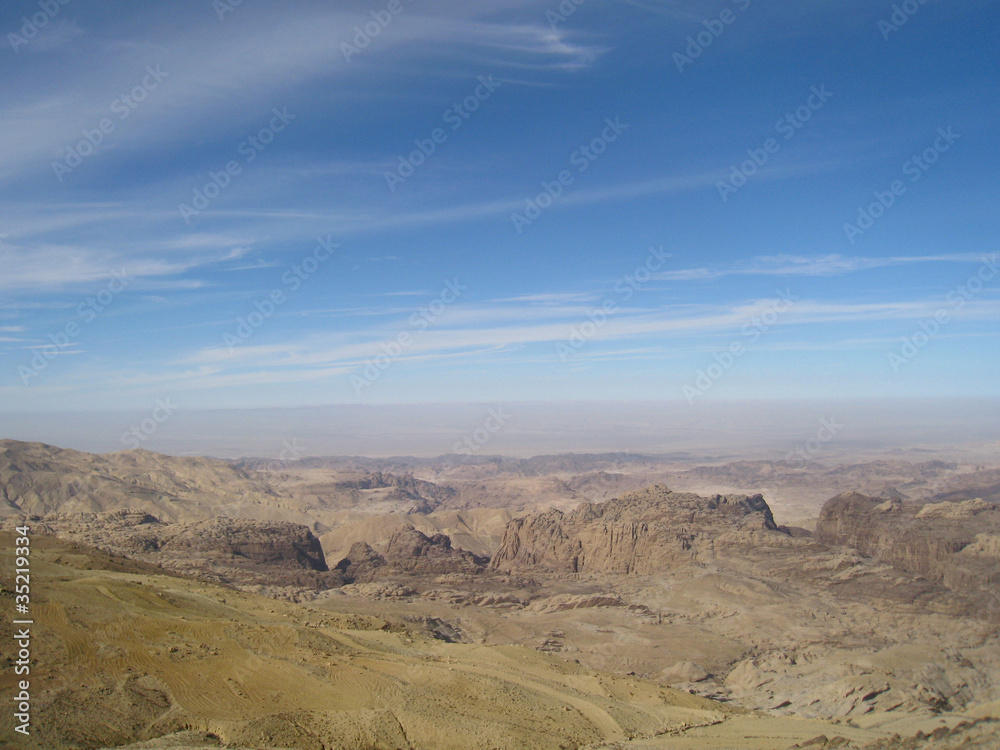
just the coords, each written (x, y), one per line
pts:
(415, 552)
(377, 590)
(684, 671)
(954, 543)
(362, 563)
(39, 479)
(643, 532)
(127, 531)
(983, 484)
(409, 552)
(266, 543)
(499, 600)
(563, 602)
(406, 482)
(405, 490)
(239, 552)
(954, 510)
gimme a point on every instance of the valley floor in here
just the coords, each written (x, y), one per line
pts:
(125, 653)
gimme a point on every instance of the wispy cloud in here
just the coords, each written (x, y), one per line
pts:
(551, 298)
(57, 33)
(220, 79)
(469, 335)
(375, 111)
(53, 267)
(797, 265)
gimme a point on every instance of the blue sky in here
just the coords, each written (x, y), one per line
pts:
(312, 277)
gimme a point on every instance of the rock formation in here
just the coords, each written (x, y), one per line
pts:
(409, 552)
(37, 479)
(643, 532)
(953, 543)
(239, 552)
(268, 543)
(406, 482)
(362, 563)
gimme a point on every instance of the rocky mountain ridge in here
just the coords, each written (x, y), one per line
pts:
(37, 479)
(954, 543)
(409, 552)
(273, 556)
(640, 532)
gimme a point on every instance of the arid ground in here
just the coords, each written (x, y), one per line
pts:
(562, 601)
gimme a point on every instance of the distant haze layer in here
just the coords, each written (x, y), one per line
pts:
(963, 428)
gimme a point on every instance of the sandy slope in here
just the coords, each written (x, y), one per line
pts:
(125, 653)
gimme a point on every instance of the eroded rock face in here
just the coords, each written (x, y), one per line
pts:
(361, 563)
(39, 479)
(641, 532)
(409, 552)
(270, 543)
(406, 483)
(954, 543)
(562, 602)
(239, 552)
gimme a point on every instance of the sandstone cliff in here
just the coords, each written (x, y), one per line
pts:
(954, 543)
(409, 552)
(36, 479)
(239, 552)
(642, 532)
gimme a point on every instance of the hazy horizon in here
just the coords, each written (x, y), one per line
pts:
(712, 430)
